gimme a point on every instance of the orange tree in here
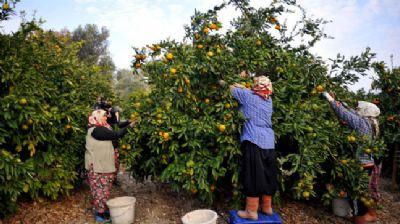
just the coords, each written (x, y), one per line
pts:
(387, 84)
(188, 126)
(45, 96)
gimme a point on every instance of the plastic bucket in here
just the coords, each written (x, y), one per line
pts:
(341, 207)
(122, 209)
(202, 216)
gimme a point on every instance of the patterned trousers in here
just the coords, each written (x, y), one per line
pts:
(373, 188)
(374, 182)
(100, 187)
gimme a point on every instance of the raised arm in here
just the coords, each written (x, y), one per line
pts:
(105, 134)
(124, 124)
(355, 121)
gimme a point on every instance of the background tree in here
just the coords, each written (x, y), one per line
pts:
(94, 46)
(127, 84)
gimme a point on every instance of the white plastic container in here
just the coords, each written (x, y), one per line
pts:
(202, 216)
(122, 209)
(341, 207)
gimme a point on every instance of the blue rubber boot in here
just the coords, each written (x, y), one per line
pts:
(101, 217)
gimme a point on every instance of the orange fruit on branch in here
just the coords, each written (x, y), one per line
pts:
(390, 118)
(138, 57)
(213, 26)
(169, 56)
(221, 127)
(23, 102)
(319, 88)
(165, 136)
(368, 150)
(180, 89)
(24, 127)
(351, 139)
(306, 194)
(187, 81)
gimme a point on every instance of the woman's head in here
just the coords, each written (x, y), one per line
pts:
(262, 86)
(371, 111)
(367, 109)
(98, 118)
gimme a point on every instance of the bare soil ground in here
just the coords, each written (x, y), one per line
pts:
(157, 204)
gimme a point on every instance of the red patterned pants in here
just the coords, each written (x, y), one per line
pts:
(373, 189)
(374, 182)
(100, 187)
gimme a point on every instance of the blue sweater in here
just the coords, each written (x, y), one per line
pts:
(258, 113)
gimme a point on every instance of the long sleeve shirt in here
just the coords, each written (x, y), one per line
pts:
(258, 112)
(105, 134)
(356, 122)
(360, 124)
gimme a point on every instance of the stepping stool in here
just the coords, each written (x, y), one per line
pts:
(262, 219)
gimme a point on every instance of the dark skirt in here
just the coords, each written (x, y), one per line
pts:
(259, 170)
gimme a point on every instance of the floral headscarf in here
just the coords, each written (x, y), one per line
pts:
(96, 119)
(262, 86)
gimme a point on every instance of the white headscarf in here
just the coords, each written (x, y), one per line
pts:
(367, 109)
(371, 111)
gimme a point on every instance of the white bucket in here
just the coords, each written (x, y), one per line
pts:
(122, 210)
(203, 216)
(341, 207)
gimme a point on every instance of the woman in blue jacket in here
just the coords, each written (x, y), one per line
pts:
(259, 166)
(364, 121)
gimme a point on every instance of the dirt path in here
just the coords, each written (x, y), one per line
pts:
(157, 204)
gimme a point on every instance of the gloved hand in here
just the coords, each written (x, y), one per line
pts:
(328, 96)
(222, 83)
